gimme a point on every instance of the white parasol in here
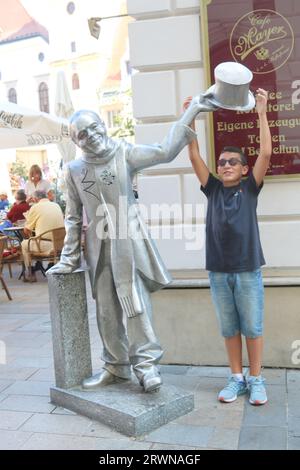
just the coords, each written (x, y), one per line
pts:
(23, 127)
(64, 108)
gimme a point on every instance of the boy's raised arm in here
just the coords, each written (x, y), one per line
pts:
(198, 163)
(263, 160)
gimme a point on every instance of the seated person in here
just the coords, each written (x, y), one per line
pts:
(19, 208)
(51, 195)
(43, 216)
(4, 203)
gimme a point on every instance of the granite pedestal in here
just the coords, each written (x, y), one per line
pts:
(123, 406)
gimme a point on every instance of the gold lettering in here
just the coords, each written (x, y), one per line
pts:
(283, 149)
(278, 138)
(252, 151)
(259, 34)
(234, 126)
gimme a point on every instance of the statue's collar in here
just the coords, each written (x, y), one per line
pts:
(104, 157)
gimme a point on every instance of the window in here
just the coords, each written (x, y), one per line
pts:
(12, 95)
(71, 8)
(75, 81)
(111, 117)
(73, 46)
(44, 97)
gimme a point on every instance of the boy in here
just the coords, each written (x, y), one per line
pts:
(234, 254)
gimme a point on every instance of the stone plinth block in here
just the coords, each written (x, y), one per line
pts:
(70, 329)
(126, 407)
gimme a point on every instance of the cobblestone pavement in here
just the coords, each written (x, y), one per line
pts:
(29, 421)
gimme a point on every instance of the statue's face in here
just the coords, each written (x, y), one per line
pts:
(89, 133)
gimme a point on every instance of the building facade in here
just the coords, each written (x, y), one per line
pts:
(166, 49)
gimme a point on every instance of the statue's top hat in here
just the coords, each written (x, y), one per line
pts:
(231, 88)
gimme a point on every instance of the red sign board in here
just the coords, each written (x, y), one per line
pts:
(263, 35)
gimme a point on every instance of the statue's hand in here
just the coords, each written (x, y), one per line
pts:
(61, 268)
(203, 103)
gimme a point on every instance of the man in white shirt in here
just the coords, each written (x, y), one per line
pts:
(42, 217)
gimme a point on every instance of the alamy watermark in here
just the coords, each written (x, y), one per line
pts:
(296, 93)
(2, 352)
(168, 222)
(295, 358)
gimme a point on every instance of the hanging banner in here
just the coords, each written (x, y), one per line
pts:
(265, 37)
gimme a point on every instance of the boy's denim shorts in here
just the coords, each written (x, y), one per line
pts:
(239, 302)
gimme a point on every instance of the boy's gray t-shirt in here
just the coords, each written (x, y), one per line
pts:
(232, 235)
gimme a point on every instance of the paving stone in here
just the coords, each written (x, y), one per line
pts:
(4, 384)
(221, 372)
(294, 426)
(100, 430)
(274, 376)
(181, 381)
(63, 411)
(43, 375)
(44, 351)
(12, 419)
(37, 362)
(293, 377)
(263, 438)
(32, 404)
(294, 443)
(29, 387)
(182, 435)
(57, 424)
(273, 413)
(174, 370)
(23, 339)
(213, 417)
(225, 438)
(294, 403)
(13, 440)
(17, 337)
(40, 324)
(172, 447)
(65, 442)
(13, 373)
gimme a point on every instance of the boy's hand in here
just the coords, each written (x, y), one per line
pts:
(186, 103)
(261, 101)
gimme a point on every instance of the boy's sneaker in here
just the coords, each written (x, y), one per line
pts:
(258, 395)
(233, 389)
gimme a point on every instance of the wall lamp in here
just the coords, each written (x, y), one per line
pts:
(95, 27)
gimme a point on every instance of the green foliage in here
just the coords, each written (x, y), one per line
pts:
(18, 168)
(125, 126)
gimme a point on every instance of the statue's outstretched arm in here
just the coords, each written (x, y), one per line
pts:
(179, 135)
(71, 253)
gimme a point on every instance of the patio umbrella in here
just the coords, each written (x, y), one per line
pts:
(23, 127)
(64, 109)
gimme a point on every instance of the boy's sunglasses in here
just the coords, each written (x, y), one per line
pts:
(232, 161)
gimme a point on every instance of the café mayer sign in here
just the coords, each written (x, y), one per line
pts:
(267, 42)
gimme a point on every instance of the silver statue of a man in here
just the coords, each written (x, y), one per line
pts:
(123, 269)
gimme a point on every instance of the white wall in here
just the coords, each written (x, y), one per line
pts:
(165, 49)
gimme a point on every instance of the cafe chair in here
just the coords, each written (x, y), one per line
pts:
(56, 236)
(3, 246)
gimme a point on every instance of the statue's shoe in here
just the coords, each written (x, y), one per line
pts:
(151, 382)
(102, 379)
